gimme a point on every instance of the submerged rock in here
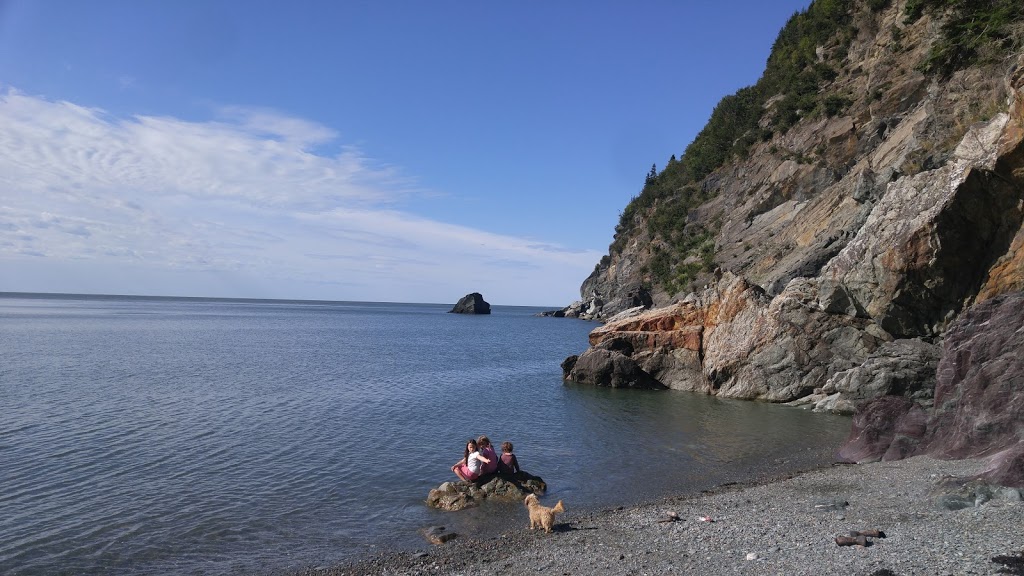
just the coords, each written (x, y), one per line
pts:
(452, 496)
(438, 535)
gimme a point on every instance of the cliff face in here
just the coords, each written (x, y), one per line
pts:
(793, 203)
(824, 265)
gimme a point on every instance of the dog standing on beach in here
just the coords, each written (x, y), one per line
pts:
(542, 516)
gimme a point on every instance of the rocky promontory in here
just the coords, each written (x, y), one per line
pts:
(863, 254)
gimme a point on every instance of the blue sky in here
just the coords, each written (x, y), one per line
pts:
(346, 150)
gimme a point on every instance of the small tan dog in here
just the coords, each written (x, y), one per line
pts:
(542, 516)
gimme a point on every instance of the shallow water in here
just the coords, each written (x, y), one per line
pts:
(182, 436)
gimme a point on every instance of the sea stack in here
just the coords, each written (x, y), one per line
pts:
(472, 304)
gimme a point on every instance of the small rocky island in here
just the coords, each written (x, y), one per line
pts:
(471, 304)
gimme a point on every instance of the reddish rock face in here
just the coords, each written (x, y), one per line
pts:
(979, 399)
(979, 390)
(878, 425)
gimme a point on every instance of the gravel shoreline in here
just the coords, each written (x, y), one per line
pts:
(783, 526)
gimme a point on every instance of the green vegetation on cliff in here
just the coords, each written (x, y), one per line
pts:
(793, 70)
(973, 31)
(805, 59)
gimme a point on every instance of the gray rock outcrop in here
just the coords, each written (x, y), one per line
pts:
(453, 496)
(900, 368)
(471, 304)
(733, 340)
(930, 240)
(609, 364)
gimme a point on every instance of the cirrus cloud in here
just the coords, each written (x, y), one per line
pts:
(247, 194)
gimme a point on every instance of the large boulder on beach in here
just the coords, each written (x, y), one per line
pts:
(471, 304)
(458, 495)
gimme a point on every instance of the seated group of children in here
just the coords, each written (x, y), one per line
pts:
(480, 460)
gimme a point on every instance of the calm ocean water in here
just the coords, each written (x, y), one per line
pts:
(185, 436)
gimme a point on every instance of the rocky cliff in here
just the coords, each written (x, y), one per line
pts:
(877, 132)
(819, 248)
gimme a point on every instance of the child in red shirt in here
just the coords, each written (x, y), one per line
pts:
(508, 464)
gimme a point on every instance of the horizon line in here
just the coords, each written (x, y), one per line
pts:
(100, 296)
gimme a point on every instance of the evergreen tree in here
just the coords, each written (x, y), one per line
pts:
(651, 175)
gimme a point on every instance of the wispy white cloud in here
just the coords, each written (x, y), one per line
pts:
(249, 193)
(267, 123)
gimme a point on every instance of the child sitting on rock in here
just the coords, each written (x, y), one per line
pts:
(468, 469)
(508, 464)
(490, 459)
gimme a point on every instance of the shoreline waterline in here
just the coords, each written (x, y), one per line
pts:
(785, 524)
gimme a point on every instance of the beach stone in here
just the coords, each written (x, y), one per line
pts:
(953, 502)
(454, 496)
(438, 535)
(831, 505)
(471, 304)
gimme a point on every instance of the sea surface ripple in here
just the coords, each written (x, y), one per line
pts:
(190, 436)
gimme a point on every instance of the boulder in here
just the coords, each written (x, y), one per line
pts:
(452, 496)
(609, 364)
(471, 304)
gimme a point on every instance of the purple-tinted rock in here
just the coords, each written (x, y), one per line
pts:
(1006, 468)
(979, 399)
(979, 391)
(908, 432)
(875, 427)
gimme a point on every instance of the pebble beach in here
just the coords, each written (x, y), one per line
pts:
(932, 521)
